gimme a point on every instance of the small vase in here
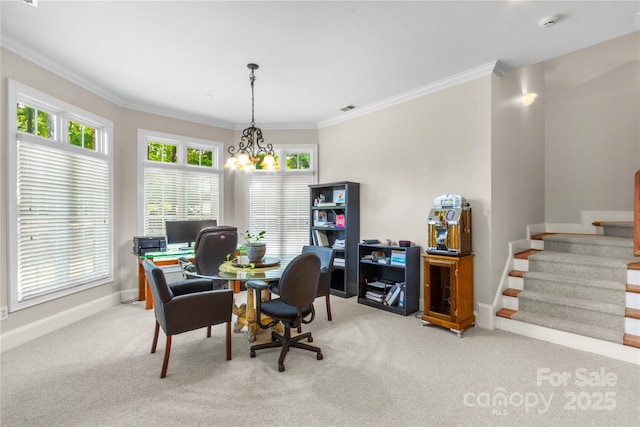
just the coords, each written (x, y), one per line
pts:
(256, 251)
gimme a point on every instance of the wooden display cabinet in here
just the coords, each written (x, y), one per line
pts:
(448, 291)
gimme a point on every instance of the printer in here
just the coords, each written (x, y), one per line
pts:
(145, 244)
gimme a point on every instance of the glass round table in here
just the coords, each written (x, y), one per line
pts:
(270, 269)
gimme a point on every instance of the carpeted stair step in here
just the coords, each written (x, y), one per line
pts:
(594, 245)
(593, 313)
(612, 292)
(574, 265)
(616, 228)
(598, 332)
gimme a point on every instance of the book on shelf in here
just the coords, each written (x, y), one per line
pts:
(374, 296)
(339, 244)
(340, 221)
(319, 217)
(321, 238)
(339, 196)
(398, 257)
(339, 262)
(326, 204)
(392, 296)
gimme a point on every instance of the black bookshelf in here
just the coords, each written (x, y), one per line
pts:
(378, 263)
(325, 214)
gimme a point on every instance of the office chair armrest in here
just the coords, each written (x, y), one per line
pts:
(191, 286)
(260, 286)
(313, 316)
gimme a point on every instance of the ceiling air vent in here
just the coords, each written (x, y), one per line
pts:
(348, 107)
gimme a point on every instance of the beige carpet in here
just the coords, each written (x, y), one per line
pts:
(379, 369)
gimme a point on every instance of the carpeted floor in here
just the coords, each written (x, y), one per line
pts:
(379, 369)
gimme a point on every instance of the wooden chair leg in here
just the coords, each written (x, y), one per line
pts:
(328, 308)
(229, 340)
(155, 338)
(209, 331)
(167, 351)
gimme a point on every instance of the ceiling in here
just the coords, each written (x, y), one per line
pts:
(188, 59)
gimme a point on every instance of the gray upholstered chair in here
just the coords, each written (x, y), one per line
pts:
(297, 291)
(211, 248)
(185, 306)
(326, 256)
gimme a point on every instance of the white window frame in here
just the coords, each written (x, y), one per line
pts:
(182, 143)
(281, 151)
(63, 111)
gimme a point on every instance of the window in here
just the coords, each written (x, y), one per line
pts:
(181, 179)
(60, 192)
(279, 201)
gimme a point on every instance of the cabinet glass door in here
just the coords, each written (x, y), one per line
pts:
(439, 283)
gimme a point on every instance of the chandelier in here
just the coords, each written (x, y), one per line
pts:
(251, 152)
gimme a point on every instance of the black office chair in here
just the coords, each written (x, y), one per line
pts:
(185, 306)
(298, 287)
(211, 248)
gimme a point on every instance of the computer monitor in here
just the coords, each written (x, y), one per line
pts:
(186, 231)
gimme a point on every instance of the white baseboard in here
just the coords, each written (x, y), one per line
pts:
(15, 337)
(567, 339)
(485, 317)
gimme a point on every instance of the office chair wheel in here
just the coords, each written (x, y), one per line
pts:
(310, 339)
(252, 353)
(281, 367)
(320, 356)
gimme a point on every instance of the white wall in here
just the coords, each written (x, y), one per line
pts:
(592, 133)
(406, 155)
(517, 162)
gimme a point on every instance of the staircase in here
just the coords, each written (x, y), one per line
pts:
(580, 290)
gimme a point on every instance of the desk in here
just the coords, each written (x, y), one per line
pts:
(246, 316)
(168, 257)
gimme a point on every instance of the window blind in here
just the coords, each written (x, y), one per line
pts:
(279, 204)
(62, 219)
(171, 194)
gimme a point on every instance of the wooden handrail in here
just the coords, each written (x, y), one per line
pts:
(636, 215)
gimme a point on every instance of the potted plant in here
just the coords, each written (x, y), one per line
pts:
(253, 246)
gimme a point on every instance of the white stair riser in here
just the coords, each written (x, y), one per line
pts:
(633, 277)
(633, 300)
(516, 282)
(521, 264)
(537, 244)
(632, 326)
(510, 302)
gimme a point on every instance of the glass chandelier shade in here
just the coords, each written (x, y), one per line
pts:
(252, 152)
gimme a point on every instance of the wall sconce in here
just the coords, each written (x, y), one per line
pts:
(528, 98)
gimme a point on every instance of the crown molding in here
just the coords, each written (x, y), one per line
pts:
(30, 55)
(474, 73)
(74, 78)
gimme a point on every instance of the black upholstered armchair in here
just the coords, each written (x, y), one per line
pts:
(297, 290)
(185, 306)
(211, 248)
(326, 256)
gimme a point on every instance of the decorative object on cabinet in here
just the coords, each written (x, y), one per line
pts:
(344, 240)
(389, 277)
(449, 226)
(448, 291)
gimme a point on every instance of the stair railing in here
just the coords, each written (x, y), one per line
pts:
(636, 215)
